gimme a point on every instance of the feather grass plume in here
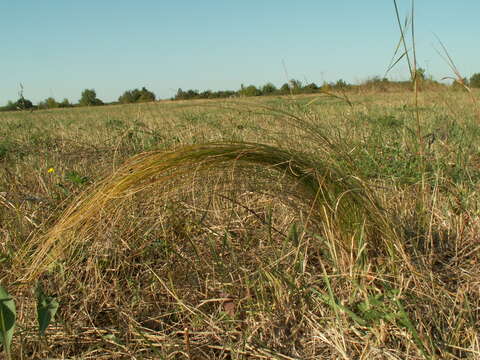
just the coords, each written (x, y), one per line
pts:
(338, 200)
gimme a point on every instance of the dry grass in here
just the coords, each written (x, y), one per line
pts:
(327, 241)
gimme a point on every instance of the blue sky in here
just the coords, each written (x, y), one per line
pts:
(60, 47)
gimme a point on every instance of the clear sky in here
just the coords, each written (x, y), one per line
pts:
(60, 47)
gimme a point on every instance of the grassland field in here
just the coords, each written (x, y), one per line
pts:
(235, 258)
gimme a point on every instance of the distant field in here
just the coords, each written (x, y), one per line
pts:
(232, 255)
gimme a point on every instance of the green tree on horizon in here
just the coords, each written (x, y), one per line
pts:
(20, 104)
(475, 80)
(65, 103)
(250, 90)
(48, 103)
(285, 89)
(89, 98)
(268, 89)
(136, 95)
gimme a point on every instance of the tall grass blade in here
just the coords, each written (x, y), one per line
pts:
(458, 77)
(402, 36)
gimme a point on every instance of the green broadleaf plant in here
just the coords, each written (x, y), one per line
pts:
(7, 320)
(47, 307)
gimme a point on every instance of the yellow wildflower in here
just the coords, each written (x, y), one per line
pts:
(51, 170)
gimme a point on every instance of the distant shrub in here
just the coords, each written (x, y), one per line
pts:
(136, 95)
(20, 104)
(268, 89)
(250, 90)
(341, 84)
(9, 107)
(285, 89)
(224, 93)
(180, 95)
(127, 97)
(23, 104)
(89, 98)
(310, 88)
(186, 95)
(475, 80)
(207, 94)
(48, 103)
(65, 103)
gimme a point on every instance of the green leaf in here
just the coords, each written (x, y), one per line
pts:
(7, 319)
(46, 309)
(76, 178)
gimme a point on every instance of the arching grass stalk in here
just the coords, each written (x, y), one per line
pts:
(338, 200)
(458, 78)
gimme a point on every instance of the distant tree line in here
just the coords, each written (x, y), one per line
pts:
(294, 87)
(291, 87)
(88, 98)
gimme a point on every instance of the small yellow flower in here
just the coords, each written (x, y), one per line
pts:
(51, 170)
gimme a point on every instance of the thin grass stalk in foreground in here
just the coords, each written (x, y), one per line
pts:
(412, 66)
(344, 200)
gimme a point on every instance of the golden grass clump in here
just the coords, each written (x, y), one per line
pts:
(337, 201)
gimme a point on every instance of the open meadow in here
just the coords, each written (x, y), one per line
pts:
(308, 227)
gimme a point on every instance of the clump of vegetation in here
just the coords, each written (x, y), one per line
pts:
(134, 96)
(89, 98)
(335, 197)
(20, 104)
(51, 103)
(475, 80)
